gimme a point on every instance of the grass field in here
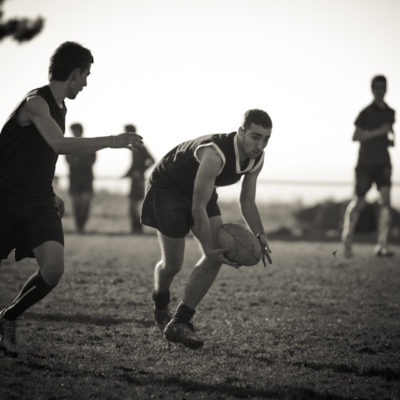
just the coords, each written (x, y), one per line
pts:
(311, 326)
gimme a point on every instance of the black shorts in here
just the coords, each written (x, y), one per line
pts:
(24, 228)
(171, 212)
(366, 175)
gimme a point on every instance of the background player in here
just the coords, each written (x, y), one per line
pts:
(80, 181)
(142, 160)
(374, 131)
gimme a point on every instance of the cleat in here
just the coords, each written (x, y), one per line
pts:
(182, 332)
(8, 336)
(161, 318)
(383, 252)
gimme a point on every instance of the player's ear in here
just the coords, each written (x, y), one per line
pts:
(241, 131)
(75, 74)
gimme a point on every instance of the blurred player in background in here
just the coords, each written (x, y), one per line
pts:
(80, 181)
(30, 212)
(142, 160)
(181, 196)
(374, 131)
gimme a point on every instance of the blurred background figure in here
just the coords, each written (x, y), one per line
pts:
(80, 181)
(141, 161)
(374, 131)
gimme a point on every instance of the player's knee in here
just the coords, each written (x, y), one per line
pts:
(359, 203)
(210, 262)
(52, 272)
(171, 266)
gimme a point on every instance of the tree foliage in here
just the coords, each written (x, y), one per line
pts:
(20, 29)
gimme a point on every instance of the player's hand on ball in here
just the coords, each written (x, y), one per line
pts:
(218, 255)
(59, 205)
(265, 250)
(129, 140)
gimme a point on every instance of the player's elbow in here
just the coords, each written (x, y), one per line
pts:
(58, 146)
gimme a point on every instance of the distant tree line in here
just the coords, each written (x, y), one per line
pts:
(20, 29)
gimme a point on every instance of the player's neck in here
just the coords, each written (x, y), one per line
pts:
(380, 103)
(58, 90)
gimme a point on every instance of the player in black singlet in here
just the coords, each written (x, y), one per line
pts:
(374, 131)
(30, 142)
(181, 196)
(80, 181)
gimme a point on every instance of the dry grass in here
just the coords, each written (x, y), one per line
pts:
(311, 326)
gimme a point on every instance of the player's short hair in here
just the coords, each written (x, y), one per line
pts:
(76, 126)
(67, 57)
(378, 78)
(130, 128)
(257, 117)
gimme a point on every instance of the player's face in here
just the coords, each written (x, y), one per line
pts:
(379, 90)
(253, 140)
(78, 82)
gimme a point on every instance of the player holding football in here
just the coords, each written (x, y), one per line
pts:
(181, 196)
(374, 131)
(30, 212)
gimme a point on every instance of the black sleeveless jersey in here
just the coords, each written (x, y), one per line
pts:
(27, 162)
(374, 151)
(178, 168)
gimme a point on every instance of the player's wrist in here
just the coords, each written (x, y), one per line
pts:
(112, 141)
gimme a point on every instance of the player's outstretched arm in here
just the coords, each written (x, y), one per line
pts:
(38, 113)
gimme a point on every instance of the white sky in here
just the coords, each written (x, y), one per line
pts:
(182, 68)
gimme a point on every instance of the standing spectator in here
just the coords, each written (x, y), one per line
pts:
(374, 131)
(141, 161)
(80, 181)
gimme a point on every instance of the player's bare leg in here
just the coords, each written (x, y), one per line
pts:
(172, 253)
(351, 216)
(201, 279)
(50, 257)
(381, 249)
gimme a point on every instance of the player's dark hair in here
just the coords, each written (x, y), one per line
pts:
(130, 128)
(67, 57)
(257, 117)
(378, 78)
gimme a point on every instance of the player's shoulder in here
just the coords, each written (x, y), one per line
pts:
(390, 109)
(35, 104)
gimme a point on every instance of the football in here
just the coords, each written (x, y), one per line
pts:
(243, 245)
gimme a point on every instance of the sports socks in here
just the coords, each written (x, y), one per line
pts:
(183, 313)
(161, 300)
(34, 289)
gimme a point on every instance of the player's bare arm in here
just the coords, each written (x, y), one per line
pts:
(363, 135)
(210, 165)
(250, 211)
(36, 111)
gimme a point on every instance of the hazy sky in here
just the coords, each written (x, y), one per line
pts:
(182, 68)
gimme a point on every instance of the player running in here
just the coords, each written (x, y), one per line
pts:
(30, 212)
(181, 196)
(374, 131)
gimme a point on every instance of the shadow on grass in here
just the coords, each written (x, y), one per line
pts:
(275, 392)
(86, 319)
(387, 373)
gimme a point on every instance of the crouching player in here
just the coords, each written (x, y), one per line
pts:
(181, 196)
